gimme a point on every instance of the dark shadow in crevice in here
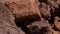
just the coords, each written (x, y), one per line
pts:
(55, 28)
(43, 1)
(26, 20)
(43, 30)
(56, 13)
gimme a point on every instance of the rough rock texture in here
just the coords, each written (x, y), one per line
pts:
(29, 16)
(7, 24)
(45, 11)
(57, 22)
(23, 7)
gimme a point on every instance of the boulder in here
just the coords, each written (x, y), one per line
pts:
(57, 22)
(7, 24)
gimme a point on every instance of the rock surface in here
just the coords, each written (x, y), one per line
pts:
(29, 16)
(7, 24)
(57, 22)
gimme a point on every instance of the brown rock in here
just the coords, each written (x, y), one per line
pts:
(57, 22)
(23, 7)
(45, 11)
(7, 24)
